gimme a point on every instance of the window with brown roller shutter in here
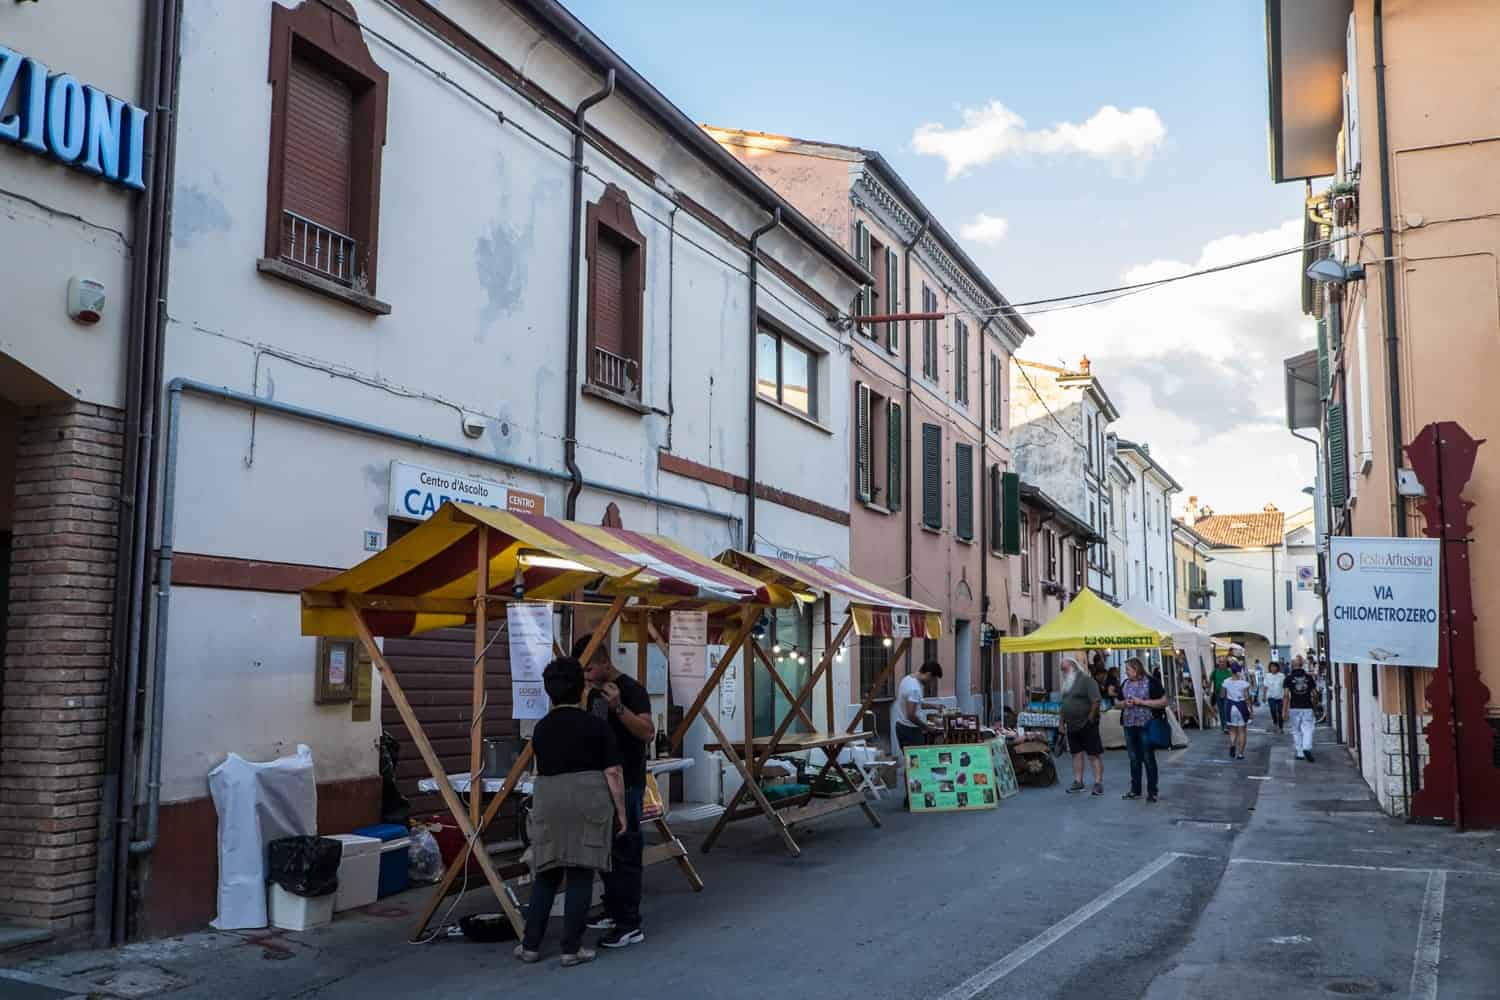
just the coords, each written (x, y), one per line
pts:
(617, 281)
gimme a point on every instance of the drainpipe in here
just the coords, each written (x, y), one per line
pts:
(575, 267)
(984, 515)
(906, 249)
(142, 374)
(1393, 365)
(754, 325)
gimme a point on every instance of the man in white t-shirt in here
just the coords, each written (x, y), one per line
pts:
(908, 727)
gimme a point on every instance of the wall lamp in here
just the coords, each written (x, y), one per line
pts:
(1331, 272)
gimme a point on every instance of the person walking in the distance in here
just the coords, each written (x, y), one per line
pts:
(1143, 698)
(1302, 700)
(579, 788)
(1220, 675)
(1275, 685)
(1080, 720)
(1237, 710)
(620, 700)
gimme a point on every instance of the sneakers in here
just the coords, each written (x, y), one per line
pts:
(579, 957)
(1308, 756)
(1076, 786)
(1131, 795)
(601, 924)
(527, 955)
(1151, 798)
(622, 937)
(1098, 788)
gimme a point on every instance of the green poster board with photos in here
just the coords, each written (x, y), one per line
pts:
(950, 778)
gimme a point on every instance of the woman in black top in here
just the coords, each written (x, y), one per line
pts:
(578, 779)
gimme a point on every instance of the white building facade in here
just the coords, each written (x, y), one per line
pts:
(1149, 529)
(386, 277)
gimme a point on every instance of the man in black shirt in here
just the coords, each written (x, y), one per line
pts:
(621, 700)
(1301, 698)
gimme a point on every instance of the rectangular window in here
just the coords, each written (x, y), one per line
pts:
(997, 518)
(997, 393)
(1089, 427)
(1234, 595)
(1049, 545)
(929, 335)
(1289, 595)
(892, 300)
(616, 290)
(862, 253)
(963, 474)
(961, 362)
(895, 456)
(873, 656)
(328, 119)
(786, 372)
(1025, 553)
(932, 476)
(1080, 554)
(862, 450)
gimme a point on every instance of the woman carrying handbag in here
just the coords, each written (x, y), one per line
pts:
(1144, 698)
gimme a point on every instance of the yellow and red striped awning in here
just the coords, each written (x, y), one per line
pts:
(427, 579)
(876, 611)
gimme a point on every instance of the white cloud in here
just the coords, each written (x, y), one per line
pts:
(1195, 368)
(993, 131)
(986, 229)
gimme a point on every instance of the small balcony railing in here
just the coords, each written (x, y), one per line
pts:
(324, 251)
(617, 374)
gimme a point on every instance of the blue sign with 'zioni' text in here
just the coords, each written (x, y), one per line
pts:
(81, 125)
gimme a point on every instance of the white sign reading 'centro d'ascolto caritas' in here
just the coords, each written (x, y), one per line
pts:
(417, 493)
(1383, 601)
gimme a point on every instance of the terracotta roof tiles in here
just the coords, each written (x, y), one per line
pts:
(1242, 531)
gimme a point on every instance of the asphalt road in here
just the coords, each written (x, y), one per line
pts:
(1257, 878)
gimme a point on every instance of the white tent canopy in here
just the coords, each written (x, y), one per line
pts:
(1191, 640)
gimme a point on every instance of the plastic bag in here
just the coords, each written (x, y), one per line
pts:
(424, 858)
(305, 866)
(257, 803)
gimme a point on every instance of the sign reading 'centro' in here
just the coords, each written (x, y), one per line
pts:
(54, 114)
(1383, 601)
(417, 493)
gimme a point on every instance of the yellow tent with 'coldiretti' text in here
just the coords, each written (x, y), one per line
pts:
(1089, 622)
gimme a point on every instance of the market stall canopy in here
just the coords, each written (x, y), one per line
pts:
(426, 580)
(1089, 622)
(876, 611)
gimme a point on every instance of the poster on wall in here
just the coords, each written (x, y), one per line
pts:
(1383, 601)
(687, 660)
(528, 627)
(950, 778)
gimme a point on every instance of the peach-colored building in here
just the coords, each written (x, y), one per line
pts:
(1389, 113)
(931, 398)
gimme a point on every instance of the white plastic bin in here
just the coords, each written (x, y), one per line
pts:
(297, 913)
(359, 871)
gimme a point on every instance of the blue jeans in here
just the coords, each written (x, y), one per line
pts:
(1138, 745)
(622, 885)
(575, 907)
(1223, 713)
(1275, 712)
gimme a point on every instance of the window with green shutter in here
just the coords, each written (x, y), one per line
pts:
(1338, 457)
(1016, 539)
(1323, 386)
(895, 455)
(892, 300)
(862, 449)
(963, 475)
(932, 476)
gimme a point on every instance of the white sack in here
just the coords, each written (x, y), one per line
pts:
(257, 803)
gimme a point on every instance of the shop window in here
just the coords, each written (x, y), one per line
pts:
(617, 284)
(786, 371)
(328, 119)
(788, 644)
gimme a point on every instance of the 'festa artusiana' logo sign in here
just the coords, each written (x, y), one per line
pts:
(80, 125)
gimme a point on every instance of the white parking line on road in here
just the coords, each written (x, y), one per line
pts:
(1361, 868)
(996, 971)
(1424, 966)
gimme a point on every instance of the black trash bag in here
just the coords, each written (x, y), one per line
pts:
(305, 866)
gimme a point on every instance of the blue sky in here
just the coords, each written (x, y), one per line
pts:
(1176, 178)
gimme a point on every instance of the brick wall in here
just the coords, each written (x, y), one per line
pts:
(68, 466)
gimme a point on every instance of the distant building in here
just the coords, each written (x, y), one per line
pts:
(1148, 531)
